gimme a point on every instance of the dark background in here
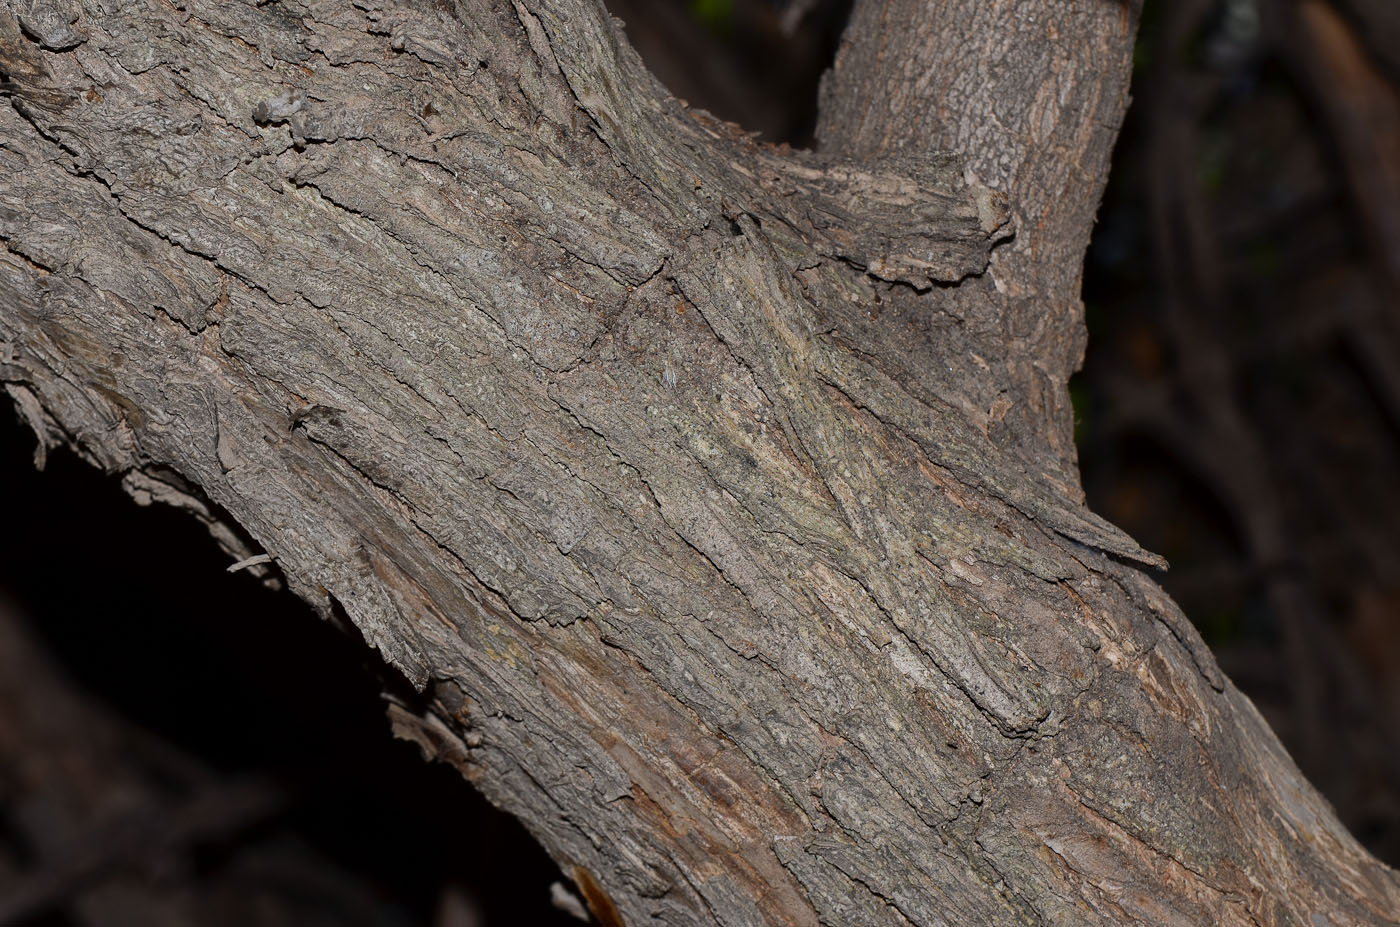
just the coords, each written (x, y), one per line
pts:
(1239, 412)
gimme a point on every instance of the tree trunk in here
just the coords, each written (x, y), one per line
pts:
(720, 499)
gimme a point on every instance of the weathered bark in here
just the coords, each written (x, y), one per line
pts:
(720, 499)
(1031, 96)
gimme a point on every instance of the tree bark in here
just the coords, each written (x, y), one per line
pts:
(720, 500)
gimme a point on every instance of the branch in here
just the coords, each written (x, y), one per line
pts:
(487, 341)
(1032, 96)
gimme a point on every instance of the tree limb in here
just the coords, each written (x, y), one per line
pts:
(547, 383)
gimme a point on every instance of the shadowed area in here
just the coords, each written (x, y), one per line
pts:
(185, 746)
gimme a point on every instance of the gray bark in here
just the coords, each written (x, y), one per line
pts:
(719, 498)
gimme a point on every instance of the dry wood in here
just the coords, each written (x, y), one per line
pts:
(720, 498)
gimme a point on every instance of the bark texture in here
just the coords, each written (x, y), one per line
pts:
(719, 499)
(1031, 96)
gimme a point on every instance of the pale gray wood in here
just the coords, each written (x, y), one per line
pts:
(718, 497)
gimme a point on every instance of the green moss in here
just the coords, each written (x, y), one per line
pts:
(715, 15)
(1080, 399)
(1219, 627)
(1212, 168)
(1265, 257)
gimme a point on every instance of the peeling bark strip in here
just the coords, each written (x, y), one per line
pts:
(701, 486)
